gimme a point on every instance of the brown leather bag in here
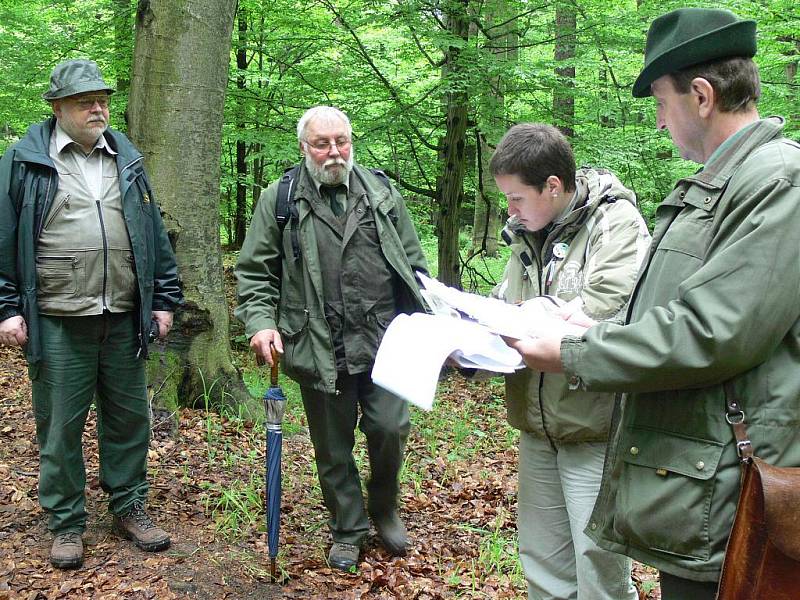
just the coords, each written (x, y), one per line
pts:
(762, 560)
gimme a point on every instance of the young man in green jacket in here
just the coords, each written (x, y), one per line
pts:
(577, 236)
(85, 268)
(715, 308)
(322, 289)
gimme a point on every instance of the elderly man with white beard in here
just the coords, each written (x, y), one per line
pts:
(320, 284)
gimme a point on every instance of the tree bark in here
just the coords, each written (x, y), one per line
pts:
(240, 217)
(564, 93)
(486, 221)
(451, 183)
(181, 60)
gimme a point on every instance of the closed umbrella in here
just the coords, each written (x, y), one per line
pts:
(274, 404)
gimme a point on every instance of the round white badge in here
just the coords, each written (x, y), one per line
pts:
(560, 249)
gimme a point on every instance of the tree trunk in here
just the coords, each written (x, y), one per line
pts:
(486, 222)
(451, 183)
(178, 88)
(564, 93)
(503, 42)
(240, 218)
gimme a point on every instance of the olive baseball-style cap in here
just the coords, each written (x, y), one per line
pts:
(690, 36)
(76, 76)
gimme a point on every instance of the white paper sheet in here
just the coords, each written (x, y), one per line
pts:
(414, 348)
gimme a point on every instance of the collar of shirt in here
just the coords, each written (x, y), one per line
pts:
(63, 140)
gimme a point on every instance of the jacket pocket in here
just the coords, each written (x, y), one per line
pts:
(59, 205)
(298, 350)
(57, 275)
(122, 280)
(666, 483)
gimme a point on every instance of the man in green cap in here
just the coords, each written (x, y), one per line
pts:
(87, 275)
(714, 316)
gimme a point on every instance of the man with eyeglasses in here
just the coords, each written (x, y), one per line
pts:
(86, 269)
(324, 303)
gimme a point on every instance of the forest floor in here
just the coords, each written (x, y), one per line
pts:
(206, 489)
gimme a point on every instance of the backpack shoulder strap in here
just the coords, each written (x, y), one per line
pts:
(382, 176)
(285, 208)
(285, 196)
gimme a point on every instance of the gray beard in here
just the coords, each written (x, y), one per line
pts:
(331, 176)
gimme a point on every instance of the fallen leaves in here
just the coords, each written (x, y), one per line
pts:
(458, 502)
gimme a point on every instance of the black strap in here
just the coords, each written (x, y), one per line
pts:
(285, 208)
(734, 415)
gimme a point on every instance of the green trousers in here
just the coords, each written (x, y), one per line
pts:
(332, 419)
(87, 358)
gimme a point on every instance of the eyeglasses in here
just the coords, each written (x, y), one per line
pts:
(325, 145)
(87, 102)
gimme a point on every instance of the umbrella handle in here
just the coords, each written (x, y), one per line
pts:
(273, 375)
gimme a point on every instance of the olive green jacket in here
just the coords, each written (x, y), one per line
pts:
(718, 300)
(277, 291)
(601, 244)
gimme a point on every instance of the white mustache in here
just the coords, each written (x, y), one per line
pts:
(335, 161)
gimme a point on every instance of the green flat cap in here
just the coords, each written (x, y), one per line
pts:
(690, 36)
(75, 77)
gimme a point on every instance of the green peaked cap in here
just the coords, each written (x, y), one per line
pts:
(690, 36)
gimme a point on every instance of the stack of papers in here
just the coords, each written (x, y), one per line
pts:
(414, 348)
(465, 327)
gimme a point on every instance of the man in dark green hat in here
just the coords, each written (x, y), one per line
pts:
(86, 273)
(714, 314)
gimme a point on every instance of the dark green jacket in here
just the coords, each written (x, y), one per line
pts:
(28, 183)
(718, 300)
(276, 291)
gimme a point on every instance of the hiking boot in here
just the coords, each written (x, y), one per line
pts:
(137, 525)
(392, 533)
(343, 556)
(67, 550)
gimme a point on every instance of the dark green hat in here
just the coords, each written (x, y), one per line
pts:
(690, 36)
(75, 77)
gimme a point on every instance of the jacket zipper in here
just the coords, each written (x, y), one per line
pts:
(140, 352)
(542, 290)
(45, 207)
(56, 211)
(105, 252)
(44, 257)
